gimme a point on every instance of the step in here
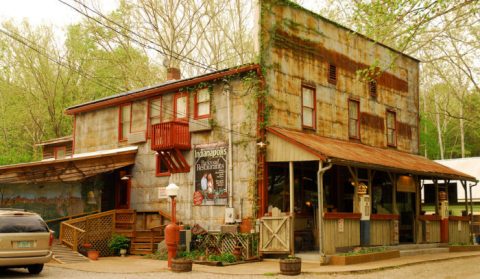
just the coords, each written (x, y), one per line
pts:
(417, 246)
(415, 252)
(65, 255)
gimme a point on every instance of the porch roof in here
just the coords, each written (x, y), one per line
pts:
(357, 154)
(74, 168)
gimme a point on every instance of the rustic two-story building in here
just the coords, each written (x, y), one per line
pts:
(314, 145)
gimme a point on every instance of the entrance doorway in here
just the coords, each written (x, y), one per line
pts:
(122, 190)
(305, 200)
(406, 209)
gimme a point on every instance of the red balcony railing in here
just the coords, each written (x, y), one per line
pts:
(170, 135)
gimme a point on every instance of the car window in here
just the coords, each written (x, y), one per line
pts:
(22, 223)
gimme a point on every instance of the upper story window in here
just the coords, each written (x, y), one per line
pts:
(202, 104)
(180, 106)
(155, 110)
(154, 113)
(391, 128)
(308, 107)
(353, 119)
(161, 166)
(60, 152)
(125, 117)
(332, 74)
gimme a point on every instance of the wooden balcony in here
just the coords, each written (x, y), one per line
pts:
(171, 135)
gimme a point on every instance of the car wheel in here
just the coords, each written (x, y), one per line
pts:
(35, 269)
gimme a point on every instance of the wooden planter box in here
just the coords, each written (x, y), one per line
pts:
(181, 265)
(363, 258)
(464, 248)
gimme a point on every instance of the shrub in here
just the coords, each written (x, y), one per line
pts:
(118, 242)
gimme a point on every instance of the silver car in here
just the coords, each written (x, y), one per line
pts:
(25, 240)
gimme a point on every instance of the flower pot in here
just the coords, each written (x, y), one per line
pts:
(93, 255)
(291, 266)
(181, 265)
(123, 252)
(237, 252)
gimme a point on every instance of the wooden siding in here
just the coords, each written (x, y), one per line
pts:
(432, 234)
(381, 232)
(277, 151)
(458, 231)
(49, 153)
(333, 238)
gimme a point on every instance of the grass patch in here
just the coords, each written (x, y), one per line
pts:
(364, 250)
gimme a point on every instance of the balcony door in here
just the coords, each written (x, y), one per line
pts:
(122, 190)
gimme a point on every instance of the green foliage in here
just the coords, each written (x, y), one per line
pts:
(224, 258)
(158, 255)
(118, 242)
(192, 255)
(364, 250)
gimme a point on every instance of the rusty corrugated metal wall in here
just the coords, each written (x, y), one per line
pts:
(297, 47)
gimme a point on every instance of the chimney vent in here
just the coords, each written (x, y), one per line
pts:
(173, 73)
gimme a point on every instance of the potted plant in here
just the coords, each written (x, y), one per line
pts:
(119, 244)
(182, 263)
(93, 254)
(291, 265)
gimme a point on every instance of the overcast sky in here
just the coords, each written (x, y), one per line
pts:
(45, 11)
(58, 14)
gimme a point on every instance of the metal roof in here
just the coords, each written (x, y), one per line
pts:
(160, 88)
(74, 168)
(352, 153)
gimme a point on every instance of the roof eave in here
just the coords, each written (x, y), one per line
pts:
(161, 89)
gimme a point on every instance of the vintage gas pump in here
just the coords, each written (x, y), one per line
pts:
(364, 206)
(442, 197)
(172, 230)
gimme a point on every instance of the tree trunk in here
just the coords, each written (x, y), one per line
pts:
(462, 131)
(439, 127)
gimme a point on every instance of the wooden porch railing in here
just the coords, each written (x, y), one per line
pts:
(97, 229)
(171, 135)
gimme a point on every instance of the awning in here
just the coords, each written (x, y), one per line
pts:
(357, 154)
(75, 168)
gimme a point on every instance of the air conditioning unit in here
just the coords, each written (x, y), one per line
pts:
(137, 137)
(186, 239)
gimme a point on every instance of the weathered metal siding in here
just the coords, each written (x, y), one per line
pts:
(297, 47)
(98, 130)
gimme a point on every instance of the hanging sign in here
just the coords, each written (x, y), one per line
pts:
(210, 174)
(405, 184)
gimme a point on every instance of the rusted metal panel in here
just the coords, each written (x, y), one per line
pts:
(299, 46)
(351, 153)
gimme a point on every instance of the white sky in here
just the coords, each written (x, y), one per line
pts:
(45, 11)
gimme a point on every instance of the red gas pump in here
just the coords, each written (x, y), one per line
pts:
(172, 231)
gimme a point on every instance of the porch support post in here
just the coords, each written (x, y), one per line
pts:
(435, 181)
(321, 235)
(464, 185)
(417, 209)
(292, 204)
(393, 179)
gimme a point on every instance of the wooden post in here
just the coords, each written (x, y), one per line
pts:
(436, 196)
(464, 185)
(75, 240)
(292, 204)
(417, 209)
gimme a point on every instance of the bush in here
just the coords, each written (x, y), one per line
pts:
(118, 242)
(224, 258)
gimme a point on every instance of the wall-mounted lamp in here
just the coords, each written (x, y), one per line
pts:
(261, 145)
(91, 198)
(126, 177)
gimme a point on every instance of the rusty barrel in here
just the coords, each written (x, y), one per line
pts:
(291, 266)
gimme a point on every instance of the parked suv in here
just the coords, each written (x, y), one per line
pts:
(25, 240)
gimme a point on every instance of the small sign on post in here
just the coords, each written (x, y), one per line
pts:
(162, 193)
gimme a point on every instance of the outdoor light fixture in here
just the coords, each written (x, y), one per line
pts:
(172, 190)
(91, 198)
(261, 144)
(126, 177)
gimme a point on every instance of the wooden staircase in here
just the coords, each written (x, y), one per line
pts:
(144, 242)
(144, 232)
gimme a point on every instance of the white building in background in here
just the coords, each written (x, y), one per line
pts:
(469, 166)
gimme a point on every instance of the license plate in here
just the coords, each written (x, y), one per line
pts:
(24, 244)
